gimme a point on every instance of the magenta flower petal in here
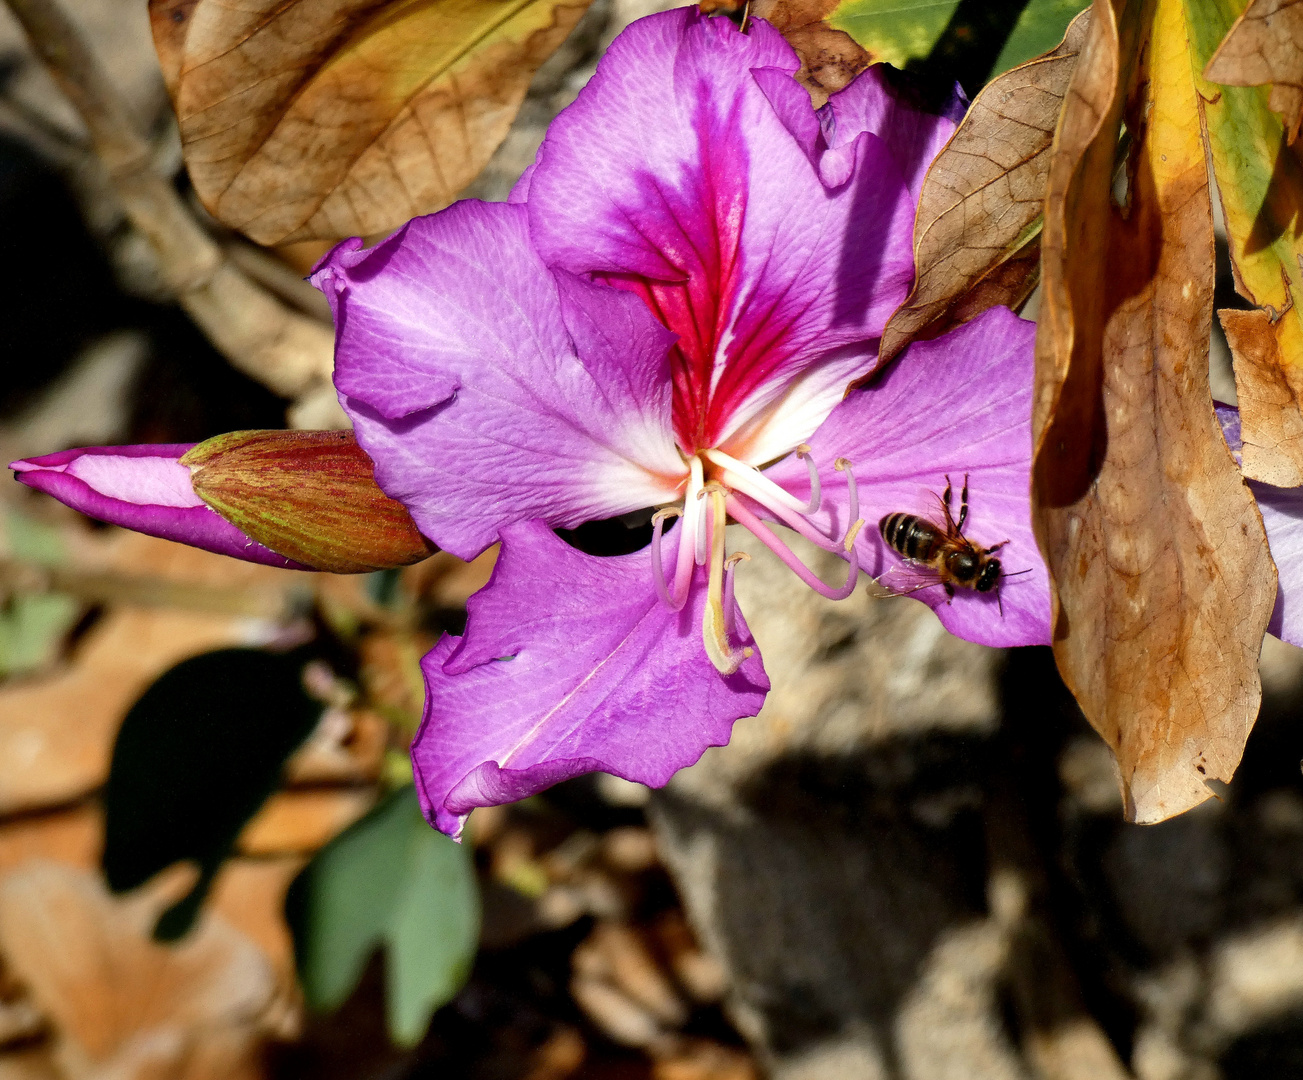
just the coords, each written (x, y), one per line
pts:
(144, 488)
(873, 102)
(488, 390)
(1282, 516)
(570, 664)
(958, 405)
(707, 204)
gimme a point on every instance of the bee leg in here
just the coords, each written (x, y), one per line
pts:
(950, 591)
(963, 505)
(945, 505)
(996, 547)
(999, 602)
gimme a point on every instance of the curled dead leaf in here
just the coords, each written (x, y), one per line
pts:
(1266, 46)
(1163, 585)
(977, 232)
(1269, 405)
(313, 119)
(830, 58)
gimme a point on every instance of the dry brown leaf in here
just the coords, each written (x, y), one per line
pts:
(57, 732)
(830, 58)
(293, 822)
(1269, 408)
(123, 1005)
(977, 234)
(1266, 46)
(305, 119)
(74, 837)
(1163, 582)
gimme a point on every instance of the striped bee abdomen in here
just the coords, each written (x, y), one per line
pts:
(913, 537)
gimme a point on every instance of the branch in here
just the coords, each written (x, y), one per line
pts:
(284, 350)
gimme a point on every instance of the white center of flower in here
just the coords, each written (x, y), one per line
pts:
(708, 505)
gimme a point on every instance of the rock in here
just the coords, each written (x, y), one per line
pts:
(830, 858)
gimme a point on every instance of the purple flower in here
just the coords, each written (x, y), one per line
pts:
(668, 315)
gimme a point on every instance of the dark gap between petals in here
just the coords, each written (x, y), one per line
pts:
(611, 536)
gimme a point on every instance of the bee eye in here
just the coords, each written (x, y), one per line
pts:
(990, 575)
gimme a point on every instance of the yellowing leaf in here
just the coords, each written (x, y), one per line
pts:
(1162, 580)
(1260, 180)
(318, 119)
(1266, 46)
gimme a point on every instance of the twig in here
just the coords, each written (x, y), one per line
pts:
(286, 351)
(99, 587)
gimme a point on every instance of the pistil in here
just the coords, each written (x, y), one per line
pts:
(715, 623)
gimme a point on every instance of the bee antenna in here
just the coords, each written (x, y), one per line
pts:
(1015, 573)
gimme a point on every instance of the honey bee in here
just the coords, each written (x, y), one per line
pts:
(944, 550)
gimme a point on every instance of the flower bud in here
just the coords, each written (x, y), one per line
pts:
(308, 495)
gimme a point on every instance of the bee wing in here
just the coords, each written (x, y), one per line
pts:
(906, 577)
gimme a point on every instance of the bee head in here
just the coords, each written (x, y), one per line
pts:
(988, 577)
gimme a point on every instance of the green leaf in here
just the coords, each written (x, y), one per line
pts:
(1039, 29)
(30, 541)
(389, 880)
(959, 39)
(31, 628)
(195, 758)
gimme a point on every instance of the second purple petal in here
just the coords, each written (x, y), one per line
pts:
(957, 406)
(570, 664)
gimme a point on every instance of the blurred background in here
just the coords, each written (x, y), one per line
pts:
(912, 865)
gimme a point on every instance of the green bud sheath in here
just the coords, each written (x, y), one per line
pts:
(308, 495)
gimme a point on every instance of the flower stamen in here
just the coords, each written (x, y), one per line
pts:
(693, 526)
(852, 492)
(729, 610)
(782, 504)
(816, 487)
(762, 532)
